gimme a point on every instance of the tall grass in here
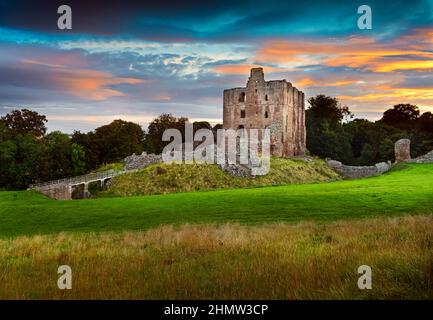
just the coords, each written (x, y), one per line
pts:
(274, 261)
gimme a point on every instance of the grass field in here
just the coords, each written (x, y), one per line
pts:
(257, 243)
(227, 261)
(408, 191)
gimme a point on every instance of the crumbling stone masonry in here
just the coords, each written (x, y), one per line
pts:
(402, 154)
(134, 162)
(402, 150)
(427, 158)
(356, 172)
(276, 105)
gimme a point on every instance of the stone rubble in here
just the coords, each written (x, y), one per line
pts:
(134, 162)
(427, 158)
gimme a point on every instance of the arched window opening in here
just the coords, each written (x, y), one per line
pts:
(266, 114)
(266, 97)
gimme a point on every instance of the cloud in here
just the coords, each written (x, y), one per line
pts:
(405, 65)
(146, 58)
(222, 20)
(83, 83)
(409, 52)
(308, 82)
(60, 72)
(243, 69)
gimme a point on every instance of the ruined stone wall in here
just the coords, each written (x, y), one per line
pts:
(276, 105)
(427, 158)
(134, 162)
(355, 172)
(402, 153)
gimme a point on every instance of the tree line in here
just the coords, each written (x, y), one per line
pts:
(28, 154)
(332, 134)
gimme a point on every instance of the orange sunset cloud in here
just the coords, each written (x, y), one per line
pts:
(354, 52)
(241, 68)
(378, 67)
(308, 82)
(85, 83)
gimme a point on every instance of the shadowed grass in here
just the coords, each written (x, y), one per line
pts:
(229, 261)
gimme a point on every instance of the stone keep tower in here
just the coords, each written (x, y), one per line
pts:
(276, 105)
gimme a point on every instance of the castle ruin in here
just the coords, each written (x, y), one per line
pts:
(275, 105)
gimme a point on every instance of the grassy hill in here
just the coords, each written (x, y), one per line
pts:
(163, 178)
(408, 191)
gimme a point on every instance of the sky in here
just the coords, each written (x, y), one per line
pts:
(137, 59)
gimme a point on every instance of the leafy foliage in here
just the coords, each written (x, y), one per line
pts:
(110, 143)
(325, 134)
(362, 142)
(401, 115)
(153, 140)
(25, 122)
(28, 156)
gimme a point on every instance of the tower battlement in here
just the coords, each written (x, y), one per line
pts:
(274, 104)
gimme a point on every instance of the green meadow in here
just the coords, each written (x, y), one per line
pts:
(296, 241)
(404, 190)
(227, 261)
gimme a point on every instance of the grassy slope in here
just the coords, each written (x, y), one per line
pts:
(276, 261)
(395, 193)
(164, 178)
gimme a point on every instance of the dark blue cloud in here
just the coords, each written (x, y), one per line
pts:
(215, 20)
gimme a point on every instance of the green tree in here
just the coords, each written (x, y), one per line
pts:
(118, 140)
(401, 116)
(78, 164)
(25, 122)
(418, 128)
(153, 138)
(20, 161)
(87, 141)
(8, 150)
(110, 143)
(372, 142)
(4, 131)
(197, 125)
(61, 158)
(325, 135)
(325, 108)
(425, 133)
